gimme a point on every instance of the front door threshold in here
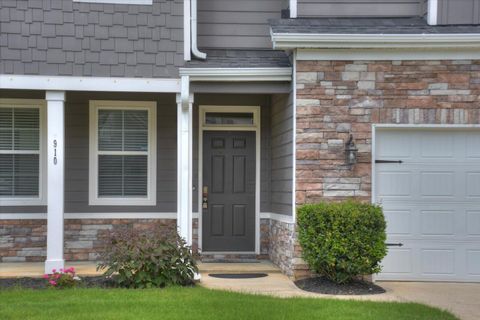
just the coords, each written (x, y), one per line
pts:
(231, 257)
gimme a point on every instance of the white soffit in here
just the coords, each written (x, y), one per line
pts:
(32, 82)
(237, 74)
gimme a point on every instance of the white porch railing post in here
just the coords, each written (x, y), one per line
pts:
(55, 177)
(184, 167)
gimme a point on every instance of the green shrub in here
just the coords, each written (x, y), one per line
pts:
(342, 240)
(147, 258)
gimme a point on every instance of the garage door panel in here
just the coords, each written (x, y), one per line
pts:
(473, 222)
(472, 180)
(437, 146)
(437, 222)
(431, 203)
(473, 262)
(437, 261)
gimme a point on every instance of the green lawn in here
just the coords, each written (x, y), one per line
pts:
(194, 303)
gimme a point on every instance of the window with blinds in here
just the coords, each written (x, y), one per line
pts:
(20, 145)
(123, 153)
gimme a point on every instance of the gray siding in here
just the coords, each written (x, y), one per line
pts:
(359, 8)
(282, 154)
(76, 163)
(236, 23)
(61, 37)
(459, 12)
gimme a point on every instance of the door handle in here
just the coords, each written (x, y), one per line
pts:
(205, 198)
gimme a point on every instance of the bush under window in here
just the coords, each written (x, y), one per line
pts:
(342, 240)
(147, 258)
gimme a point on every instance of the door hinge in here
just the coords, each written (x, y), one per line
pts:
(394, 244)
(388, 161)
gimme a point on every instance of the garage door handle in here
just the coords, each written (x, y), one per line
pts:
(394, 244)
(388, 161)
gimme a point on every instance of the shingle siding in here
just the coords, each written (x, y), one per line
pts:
(85, 39)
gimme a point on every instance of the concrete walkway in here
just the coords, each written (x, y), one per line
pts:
(462, 299)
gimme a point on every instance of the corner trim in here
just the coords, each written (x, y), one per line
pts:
(237, 74)
(432, 13)
(420, 40)
(61, 83)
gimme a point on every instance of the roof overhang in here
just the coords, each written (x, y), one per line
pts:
(369, 41)
(237, 74)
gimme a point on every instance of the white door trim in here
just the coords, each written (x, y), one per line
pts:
(256, 128)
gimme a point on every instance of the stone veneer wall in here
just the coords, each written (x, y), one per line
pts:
(339, 98)
(25, 240)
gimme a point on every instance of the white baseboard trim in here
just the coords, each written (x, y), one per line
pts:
(92, 215)
(277, 217)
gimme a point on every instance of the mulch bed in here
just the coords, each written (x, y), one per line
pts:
(325, 286)
(39, 283)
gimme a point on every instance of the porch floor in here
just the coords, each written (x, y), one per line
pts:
(88, 268)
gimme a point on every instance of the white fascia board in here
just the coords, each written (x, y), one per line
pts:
(424, 40)
(237, 74)
(32, 82)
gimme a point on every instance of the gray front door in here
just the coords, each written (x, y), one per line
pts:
(228, 222)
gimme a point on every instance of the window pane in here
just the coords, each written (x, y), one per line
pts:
(122, 176)
(136, 130)
(231, 118)
(6, 126)
(19, 175)
(110, 125)
(26, 122)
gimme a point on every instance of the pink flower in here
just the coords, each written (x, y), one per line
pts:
(53, 283)
(54, 270)
(61, 269)
(45, 276)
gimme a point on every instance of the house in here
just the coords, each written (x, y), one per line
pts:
(222, 116)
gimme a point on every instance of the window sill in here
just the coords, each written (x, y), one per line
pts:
(139, 2)
(20, 202)
(122, 202)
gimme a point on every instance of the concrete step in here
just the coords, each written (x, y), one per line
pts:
(260, 266)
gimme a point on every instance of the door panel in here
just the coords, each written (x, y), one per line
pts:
(228, 223)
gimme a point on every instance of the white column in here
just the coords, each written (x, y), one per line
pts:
(55, 177)
(184, 167)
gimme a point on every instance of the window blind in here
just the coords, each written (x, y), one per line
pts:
(19, 152)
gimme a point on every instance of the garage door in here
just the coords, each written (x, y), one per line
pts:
(431, 202)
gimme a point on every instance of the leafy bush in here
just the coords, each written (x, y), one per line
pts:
(342, 240)
(62, 279)
(149, 258)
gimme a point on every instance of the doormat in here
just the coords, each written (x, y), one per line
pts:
(238, 275)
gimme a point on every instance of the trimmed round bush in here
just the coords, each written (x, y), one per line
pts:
(342, 240)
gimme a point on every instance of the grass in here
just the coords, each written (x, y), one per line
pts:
(195, 303)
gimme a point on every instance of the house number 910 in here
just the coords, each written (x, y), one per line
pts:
(55, 152)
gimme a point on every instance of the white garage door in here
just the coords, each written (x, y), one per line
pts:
(431, 202)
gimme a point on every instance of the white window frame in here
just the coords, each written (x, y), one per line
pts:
(42, 184)
(151, 108)
(143, 2)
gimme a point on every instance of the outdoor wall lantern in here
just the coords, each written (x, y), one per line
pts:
(351, 151)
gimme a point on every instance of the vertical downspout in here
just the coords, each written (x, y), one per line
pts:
(187, 30)
(195, 51)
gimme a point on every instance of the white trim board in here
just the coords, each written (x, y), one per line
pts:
(95, 215)
(237, 74)
(256, 128)
(31, 82)
(432, 12)
(277, 217)
(327, 40)
(293, 8)
(389, 54)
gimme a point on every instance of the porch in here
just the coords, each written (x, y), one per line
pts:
(71, 222)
